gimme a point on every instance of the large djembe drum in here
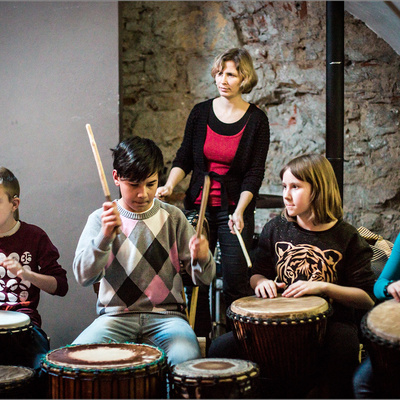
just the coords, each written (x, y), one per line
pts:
(284, 336)
(381, 330)
(215, 378)
(106, 371)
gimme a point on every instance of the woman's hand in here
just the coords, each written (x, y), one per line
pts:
(237, 220)
(163, 191)
(13, 266)
(394, 290)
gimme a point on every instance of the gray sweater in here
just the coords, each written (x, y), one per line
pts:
(139, 271)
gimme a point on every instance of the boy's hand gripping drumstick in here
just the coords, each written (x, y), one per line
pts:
(203, 206)
(242, 245)
(100, 169)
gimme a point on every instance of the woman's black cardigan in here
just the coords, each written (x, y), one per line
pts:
(248, 166)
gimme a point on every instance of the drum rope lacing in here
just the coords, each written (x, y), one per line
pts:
(240, 379)
(279, 320)
(16, 330)
(368, 334)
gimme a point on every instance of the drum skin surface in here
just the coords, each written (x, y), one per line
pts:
(215, 378)
(381, 330)
(15, 381)
(125, 370)
(284, 336)
(13, 320)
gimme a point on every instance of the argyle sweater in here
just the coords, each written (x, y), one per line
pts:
(140, 269)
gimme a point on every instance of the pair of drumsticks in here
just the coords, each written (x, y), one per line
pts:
(203, 205)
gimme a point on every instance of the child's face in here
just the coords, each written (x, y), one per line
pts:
(296, 195)
(7, 209)
(137, 197)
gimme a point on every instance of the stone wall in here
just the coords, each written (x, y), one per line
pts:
(167, 49)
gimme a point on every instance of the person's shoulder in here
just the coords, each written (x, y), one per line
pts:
(203, 105)
(171, 209)
(257, 111)
(31, 228)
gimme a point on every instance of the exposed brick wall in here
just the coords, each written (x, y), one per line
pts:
(167, 52)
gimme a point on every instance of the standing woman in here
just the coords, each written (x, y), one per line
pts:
(228, 139)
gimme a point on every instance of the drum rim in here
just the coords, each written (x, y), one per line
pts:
(23, 379)
(280, 320)
(252, 371)
(374, 338)
(47, 365)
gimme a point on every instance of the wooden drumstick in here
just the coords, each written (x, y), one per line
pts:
(100, 169)
(242, 245)
(203, 206)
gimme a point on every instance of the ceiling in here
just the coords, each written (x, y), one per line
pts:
(382, 17)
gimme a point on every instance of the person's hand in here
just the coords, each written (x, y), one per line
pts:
(267, 288)
(110, 219)
(13, 266)
(163, 191)
(394, 290)
(301, 288)
(237, 220)
(199, 248)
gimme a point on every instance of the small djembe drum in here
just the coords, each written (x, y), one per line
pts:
(16, 382)
(381, 330)
(15, 336)
(215, 378)
(106, 371)
(284, 336)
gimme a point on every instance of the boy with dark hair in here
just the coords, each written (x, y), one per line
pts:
(28, 264)
(140, 295)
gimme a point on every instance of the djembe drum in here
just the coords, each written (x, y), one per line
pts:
(381, 329)
(16, 382)
(106, 371)
(15, 336)
(215, 378)
(284, 336)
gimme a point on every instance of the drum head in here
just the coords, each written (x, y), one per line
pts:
(384, 321)
(215, 367)
(104, 356)
(280, 307)
(13, 319)
(11, 376)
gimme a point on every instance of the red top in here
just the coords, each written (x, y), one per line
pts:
(219, 151)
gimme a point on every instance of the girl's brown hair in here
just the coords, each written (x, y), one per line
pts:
(326, 203)
(243, 63)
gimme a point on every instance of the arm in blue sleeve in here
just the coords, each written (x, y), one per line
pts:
(391, 271)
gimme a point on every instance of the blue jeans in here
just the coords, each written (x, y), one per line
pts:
(171, 333)
(363, 382)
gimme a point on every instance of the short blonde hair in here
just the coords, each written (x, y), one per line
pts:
(243, 63)
(326, 203)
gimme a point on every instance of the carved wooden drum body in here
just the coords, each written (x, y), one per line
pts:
(381, 329)
(215, 378)
(106, 371)
(284, 336)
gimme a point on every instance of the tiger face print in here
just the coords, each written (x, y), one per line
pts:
(306, 262)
